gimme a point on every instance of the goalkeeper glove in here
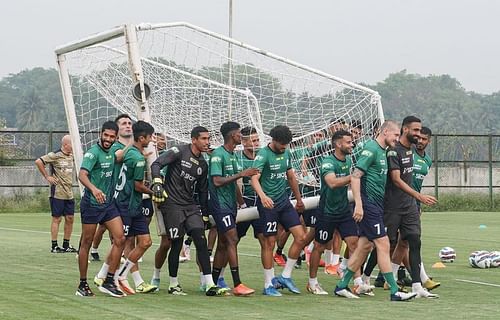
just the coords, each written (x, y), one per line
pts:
(159, 194)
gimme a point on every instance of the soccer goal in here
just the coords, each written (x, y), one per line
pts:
(184, 76)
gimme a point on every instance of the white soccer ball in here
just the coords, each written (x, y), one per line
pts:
(480, 259)
(447, 254)
(495, 259)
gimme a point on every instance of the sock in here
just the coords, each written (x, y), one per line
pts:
(313, 282)
(221, 272)
(311, 246)
(395, 268)
(210, 252)
(279, 250)
(156, 273)
(173, 282)
(236, 276)
(365, 278)
(137, 278)
(358, 281)
(287, 271)
(423, 275)
(268, 277)
(389, 277)
(65, 243)
(92, 250)
(83, 282)
(344, 282)
(109, 277)
(125, 269)
(336, 259)
(344, 263)
(328, 256)
(209, 281)
(104, 271)
(416, 287)
(215, 274)
(54, 244)
(202, 279)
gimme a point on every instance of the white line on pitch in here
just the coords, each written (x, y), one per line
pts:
(478, 282)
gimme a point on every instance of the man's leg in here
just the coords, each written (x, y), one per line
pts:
(54, 230)
(160, 257)
(86, 237)
(68, 230)
(96, 242)
(115, 227)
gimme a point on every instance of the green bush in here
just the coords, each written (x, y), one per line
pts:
(465, 202)
(23, 201)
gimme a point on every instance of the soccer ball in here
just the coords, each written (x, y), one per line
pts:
(495, 259)
(447, 254)
(480, 259)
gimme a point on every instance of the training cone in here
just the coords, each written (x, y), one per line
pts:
(438, 265)
(482, 226)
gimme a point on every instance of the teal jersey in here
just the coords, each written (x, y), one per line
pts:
(118, 166)
(223, 164)
(99, 163)
(421, 167)
(372, 160)
(273, 167)
(359, 147)
(133, 169)
(333, 202)
(244, 162)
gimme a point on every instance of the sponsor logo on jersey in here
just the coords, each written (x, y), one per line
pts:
(175, 149)
(193, 160)
(405, 160)
(392, 153)
(327, 165)
(199, 171)
(140, 164)
(409, 152)
(259, 157)
(215, 159)
(186, 164)
(366, 153)
(89, 155)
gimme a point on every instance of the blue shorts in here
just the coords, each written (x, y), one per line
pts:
(61, 207)
(325, 228)
(372, 225)
(242, 227)
(283, 213)
(225, 220)
(310, 217)
(147, 207)
(135, 226)
(93, 215)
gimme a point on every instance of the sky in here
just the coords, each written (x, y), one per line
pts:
(358, 40)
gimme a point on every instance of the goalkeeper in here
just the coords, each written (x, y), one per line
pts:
(187, 170)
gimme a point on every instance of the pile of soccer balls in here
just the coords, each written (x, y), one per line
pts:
(484, 259)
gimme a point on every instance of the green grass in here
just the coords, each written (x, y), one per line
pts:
(35, 284)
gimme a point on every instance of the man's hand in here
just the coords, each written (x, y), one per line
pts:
(267, 202)
(159, 194)
(52, 180)
(249, 172)
(427, 200)
(99, 196)
(299, 206)
(358, 213)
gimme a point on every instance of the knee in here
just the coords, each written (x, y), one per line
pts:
(119, 240)
(145, 243)
(164, 243)
(56, 219)
(403, 244)
(69, 218)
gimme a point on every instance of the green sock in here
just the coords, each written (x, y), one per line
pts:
(389, 277)
(344, 282)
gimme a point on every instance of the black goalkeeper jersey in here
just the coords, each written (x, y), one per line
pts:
(399, 158)
(186, 174)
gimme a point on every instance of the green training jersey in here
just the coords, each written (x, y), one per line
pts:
(223, 164)
(273, 167)
(244, 162)
(133, 169)
(99, 163)
(333, 202)
(421, 167)
(118, 166)
(373, 162)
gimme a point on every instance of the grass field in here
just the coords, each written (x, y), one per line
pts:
(35, 284)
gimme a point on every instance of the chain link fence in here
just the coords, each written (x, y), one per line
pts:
(462, 164)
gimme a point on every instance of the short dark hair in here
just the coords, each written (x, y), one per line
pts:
(247, 131)
(281, 134)
(427, 131)
(339, 135)
(356, 124)
(195, 133)
(337, 120)
(227, 128)
(410, 119)
(109, 125)
(121, 116)
(142, 129)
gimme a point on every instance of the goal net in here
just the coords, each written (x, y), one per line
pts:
(198, 77)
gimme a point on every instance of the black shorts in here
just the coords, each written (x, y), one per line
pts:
(283, 213)
(225, 220)
(181, 219)
(135, 226)
(326, 226)
(147, 207)
(372, 225)
(310, 217)
(94, 215)
(406, 222)
(61, 207)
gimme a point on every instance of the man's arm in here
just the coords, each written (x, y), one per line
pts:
(356, 193)
(292, 181)
(398, 182)
(266, 201)
(166, 158)
(41, 167)
(332, 181)
(220, 181)
(84, 179)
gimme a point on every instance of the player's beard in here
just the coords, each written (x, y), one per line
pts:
(412, 138)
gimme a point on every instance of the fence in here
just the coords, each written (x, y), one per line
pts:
(462, 164)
